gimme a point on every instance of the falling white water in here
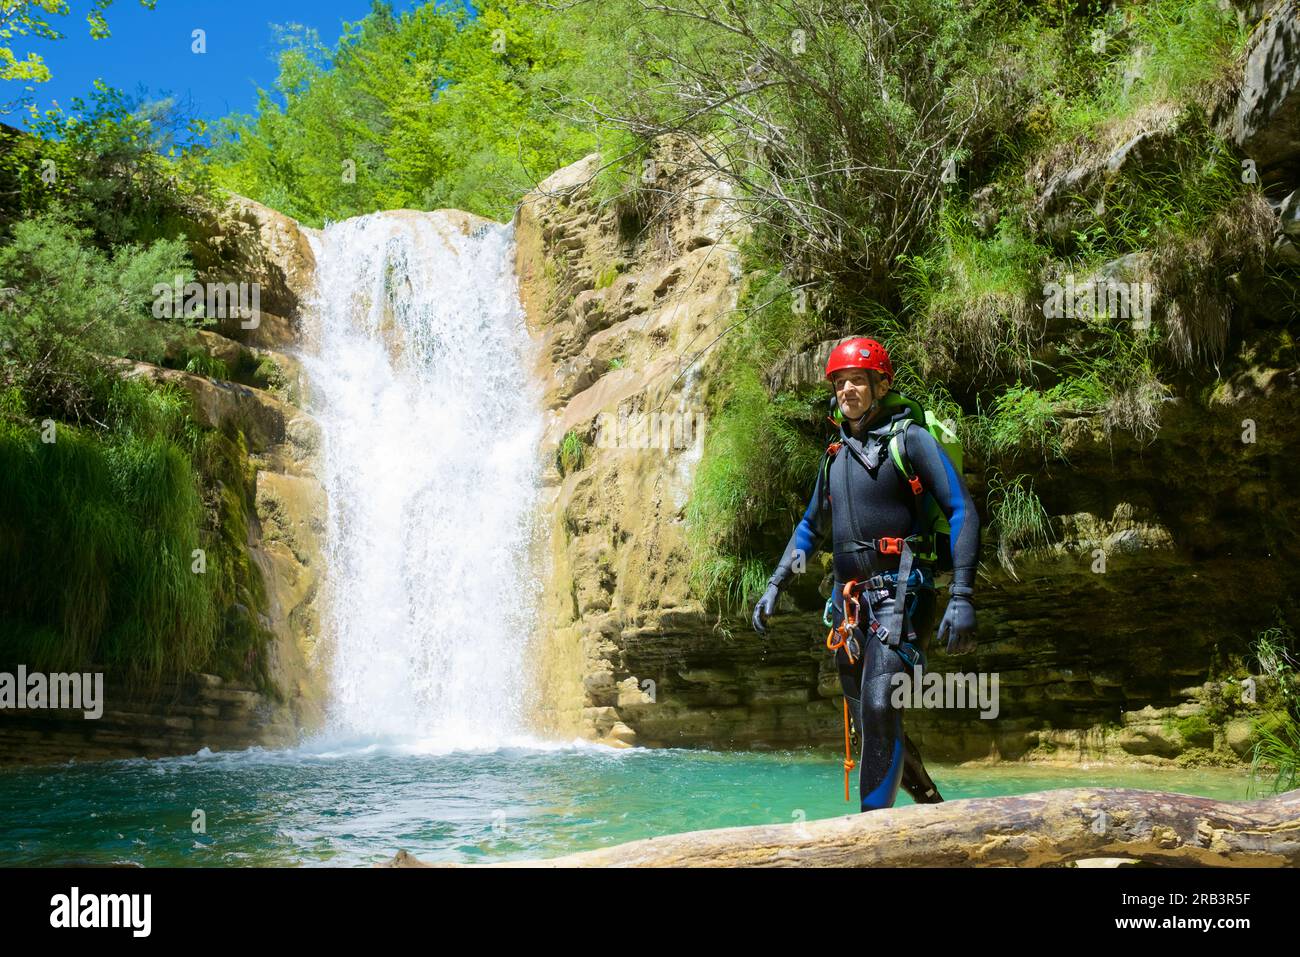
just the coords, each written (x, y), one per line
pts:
(419, 367)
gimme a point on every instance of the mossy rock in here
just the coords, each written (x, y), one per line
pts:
(1239, 736)
(1204, 758)
(1196, 730)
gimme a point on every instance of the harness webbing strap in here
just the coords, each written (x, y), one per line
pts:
(923, 542)
(894, 623)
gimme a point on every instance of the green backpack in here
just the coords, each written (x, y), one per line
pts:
(938, 545)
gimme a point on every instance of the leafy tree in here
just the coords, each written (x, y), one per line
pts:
(65, 305)
(122, 167)
(435, 107)
(30, 18)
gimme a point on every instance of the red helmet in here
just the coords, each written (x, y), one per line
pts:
(859, 353)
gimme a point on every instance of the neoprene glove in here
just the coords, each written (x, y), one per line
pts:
(958, 625)
(765, 608)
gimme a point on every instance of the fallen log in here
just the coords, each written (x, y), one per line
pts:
(1023, 830)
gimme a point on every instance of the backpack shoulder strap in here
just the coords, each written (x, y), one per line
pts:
(898, 452)
(827, 457)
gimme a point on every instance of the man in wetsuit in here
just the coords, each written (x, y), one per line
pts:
(874, 515)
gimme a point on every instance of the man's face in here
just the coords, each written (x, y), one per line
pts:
(853, 390)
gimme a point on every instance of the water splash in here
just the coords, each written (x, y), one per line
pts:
(419, 374)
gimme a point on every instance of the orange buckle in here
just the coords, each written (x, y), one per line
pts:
(889, 546)
(915, 481)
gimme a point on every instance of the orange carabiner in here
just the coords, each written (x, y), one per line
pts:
(848, 622)
(851, 618)
(835, 645)
(832, 645)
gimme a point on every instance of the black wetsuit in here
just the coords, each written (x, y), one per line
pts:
(868, 498)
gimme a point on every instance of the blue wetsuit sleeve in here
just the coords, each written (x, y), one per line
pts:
(942, 480)
(807, 535)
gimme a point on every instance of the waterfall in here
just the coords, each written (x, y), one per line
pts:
(419, 371)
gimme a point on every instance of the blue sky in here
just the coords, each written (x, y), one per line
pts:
(153, 48)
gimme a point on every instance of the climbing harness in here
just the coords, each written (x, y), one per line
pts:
(875, 588)
(931, 545)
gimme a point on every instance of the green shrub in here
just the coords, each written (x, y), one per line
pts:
(1020, 417)
(69, 305)
(1186, 51)
(1017, 517)
(761, 450)
(103, 523)
(1276, 755)
(572, 453)
(200, 363)
(124, 169)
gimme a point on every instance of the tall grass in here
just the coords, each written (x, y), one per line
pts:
(1200, 224)
(1100, 69)
(972, 301)
(126, 547)
(759, 447)
(1115, 377)
(1018, 519)
(1022, 417)
(99, 543)
(571, 454)
(1276, 755)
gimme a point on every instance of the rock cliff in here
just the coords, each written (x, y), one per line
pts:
(1197, 527)
(626, 318)
(254, 244)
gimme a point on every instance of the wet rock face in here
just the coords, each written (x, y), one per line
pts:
(202, 711)
(623, 317)
(252, 244)
(285, 542)
(290, 504)
(1262, 119)
(283, 442)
